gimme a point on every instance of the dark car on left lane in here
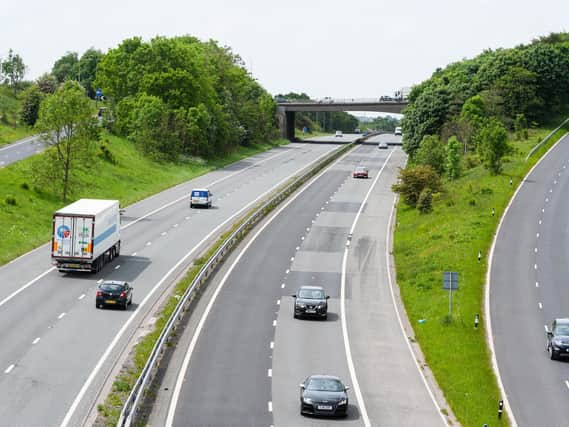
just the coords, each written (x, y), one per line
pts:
(323, 395)
(558, 339)
(114, 292)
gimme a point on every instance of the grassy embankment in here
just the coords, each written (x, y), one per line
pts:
(448, 239)
(25, 214)
(10, 107)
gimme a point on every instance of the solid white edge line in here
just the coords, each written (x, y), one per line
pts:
(567, 383)
(29, 139)
(344, 324)
(119, 334)
(401, 327)
(137, 220)
(269, 372)
(27, 285)
(185, 364)
(270, 406)
(488, 320)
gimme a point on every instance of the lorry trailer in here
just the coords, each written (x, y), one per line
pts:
(86, 235)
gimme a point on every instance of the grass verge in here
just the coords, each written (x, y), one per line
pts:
(9, 134)
(26, 212)
(448, 239)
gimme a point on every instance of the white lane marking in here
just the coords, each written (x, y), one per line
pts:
(546, 199)
(119, 334)
(401, 327)
(278, 302)
(348, 350)
(187, 217)
(133, 254)
(9, 369)
(270, 406)
(302, 238)
(27, 285)
(539, 222)
(567, 383)
(537, 284)
(81, 296)
(15, 144)
(99, 281)
(287, 271)
(199, 327)
(272, 345)
(269, 372)
(542, 210)
(117, 267)
(34, 342)
(297, 248)
(540, 305)
(148, 243)
(535, 250)
(291, 259)
(282, 286)
(61, 316)
(551, 190)
(176, 225)
(274, 323)
(537, 235)
(163, 233)
(535, 266)
(307, 229)
(488, 316)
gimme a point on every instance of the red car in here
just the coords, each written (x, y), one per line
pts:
(361, 172)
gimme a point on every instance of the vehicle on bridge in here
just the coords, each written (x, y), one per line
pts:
(86, 235)
(558, 339)
(323, 395)
(339, 134)
(398, 130)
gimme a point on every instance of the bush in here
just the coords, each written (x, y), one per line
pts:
(412, 181)
(25, 186)
(471, 161)
(105, 153)
(11, 200)
(425, 202)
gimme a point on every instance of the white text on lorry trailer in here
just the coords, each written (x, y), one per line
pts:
(86, 235)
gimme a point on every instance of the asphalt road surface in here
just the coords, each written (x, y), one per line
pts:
(57, 348)
(243, 355)
(390, 138)
(529, 289)
(20, 150)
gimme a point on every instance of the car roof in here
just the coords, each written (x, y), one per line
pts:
(113, 282)
(324, 377)
(200, 189)
(320, 288)
(562, 321)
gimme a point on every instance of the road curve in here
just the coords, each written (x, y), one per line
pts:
(528, 289)
(21, 149)
(57, 348)
(244, 363)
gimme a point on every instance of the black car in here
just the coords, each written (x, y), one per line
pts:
(114, 292)
(323, 395)
(558, 339)
(311, 301)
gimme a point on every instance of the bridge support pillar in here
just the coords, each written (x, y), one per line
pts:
(286, 123)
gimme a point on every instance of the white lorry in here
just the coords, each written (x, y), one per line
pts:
(86, 235)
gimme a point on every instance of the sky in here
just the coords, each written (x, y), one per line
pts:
(341, 49)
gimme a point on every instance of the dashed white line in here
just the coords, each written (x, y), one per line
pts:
(175, 225)
(537, 284)
(274, 323)
(567, 383)
(7, 371)
(287, 271)
(291, 259)
(269, 372)
(270, 406)
(99, 281)
(539, 222)
(282, 286)
(537, 235)
(187, 217)
(133, 254)
(278, 302)
(61, 316)
(272, 345)
(535, 250)
(81, 296)
(297, 248)
(542, 210)
(540, 305)
(546, 199)
(535, 266)
(117, 267)
(148, 243)
(163, 233)
(302, 238)
(307, 229)
(34, 342)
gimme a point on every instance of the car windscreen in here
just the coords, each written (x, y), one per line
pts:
(199, 193)
(562, 330)
(311, 294)
(360, 169)
(325, 384)
(111, 287)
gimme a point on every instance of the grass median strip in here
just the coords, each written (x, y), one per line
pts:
(449, 239)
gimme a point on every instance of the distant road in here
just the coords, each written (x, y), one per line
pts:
(529, 289)
(21, 149)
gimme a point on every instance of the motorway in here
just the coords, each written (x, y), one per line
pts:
(242, 355)
(57, 348)
(20, 150)
(528, 289)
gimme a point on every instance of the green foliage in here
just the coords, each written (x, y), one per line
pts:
(493, 145)
(386, 123)
(13, 69)
(66, 122)
(412, 181)
(10, 200)
(521, 127)
(431, 152)
(47, 83)
(180, 96)
(81, 70)
(425, 201)
(65, 67)
(32, 98)
(519, 90)
(453, 159)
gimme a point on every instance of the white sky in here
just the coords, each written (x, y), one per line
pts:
(342, 49)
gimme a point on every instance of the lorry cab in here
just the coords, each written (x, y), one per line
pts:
(201, 197)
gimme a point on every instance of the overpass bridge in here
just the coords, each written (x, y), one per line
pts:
(286, 109)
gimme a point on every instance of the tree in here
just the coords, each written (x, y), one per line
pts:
(47, 83)
(13, 69)
(453, 158)
(518, 88)
(431, 152)
(87, 68)
(66, 122)
(31, 105)
(493, 145)
(65, 68)
(412, 182)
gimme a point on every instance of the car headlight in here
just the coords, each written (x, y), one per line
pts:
(300, 305)
(307, 400)
(556, 342)
(342, 402)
